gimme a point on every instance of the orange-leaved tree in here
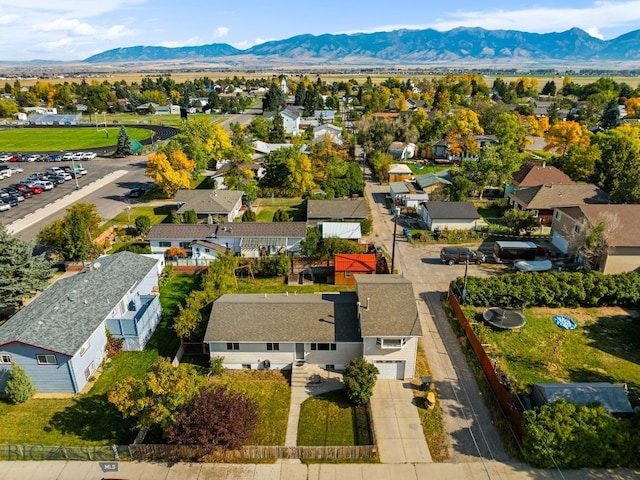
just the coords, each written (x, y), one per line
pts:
(171, 173)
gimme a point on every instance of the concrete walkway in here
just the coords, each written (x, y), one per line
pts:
(45, 212)
(307, 381)
(60, 470)
(397, 424)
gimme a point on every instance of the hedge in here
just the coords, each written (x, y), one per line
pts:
(557, 289)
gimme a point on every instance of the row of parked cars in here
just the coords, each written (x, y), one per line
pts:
(37, 183)
(46, 157)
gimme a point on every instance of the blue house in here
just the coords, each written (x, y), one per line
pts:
(60, 337)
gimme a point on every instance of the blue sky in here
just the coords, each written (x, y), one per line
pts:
(75, 29)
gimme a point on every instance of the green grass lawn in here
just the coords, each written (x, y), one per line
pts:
(156, 213)
(331, 419)
(424, 169)
(278, 285)
(605, 347)
(271, 390)
(68, 138)
(266, 207)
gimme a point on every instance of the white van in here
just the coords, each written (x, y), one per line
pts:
(44, 184)
(54, 171)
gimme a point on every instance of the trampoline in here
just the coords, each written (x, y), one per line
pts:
(503, 318)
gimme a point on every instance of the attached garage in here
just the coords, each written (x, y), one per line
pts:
(390, 369)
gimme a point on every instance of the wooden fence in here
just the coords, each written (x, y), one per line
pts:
(504, 397)
(184, 452)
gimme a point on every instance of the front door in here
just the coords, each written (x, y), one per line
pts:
(300, 352)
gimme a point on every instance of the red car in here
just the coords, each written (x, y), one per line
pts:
(35, 189)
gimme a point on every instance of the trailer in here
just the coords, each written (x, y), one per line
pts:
(510, 251)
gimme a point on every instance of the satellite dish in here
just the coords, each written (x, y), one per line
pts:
(96, 265)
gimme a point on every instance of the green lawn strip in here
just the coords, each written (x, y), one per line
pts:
(331, 419)
(491, 215)
(68, 138)
(278, 285)
(424, 169)
(432, 420)
(604, 348)
(156, 213)
(266, 207)
(271, 390)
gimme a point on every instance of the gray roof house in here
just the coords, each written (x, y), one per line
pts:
(449, 215)
(327, 329)
(336, 210)
(210, 203)
(59, 338)
(249, 239)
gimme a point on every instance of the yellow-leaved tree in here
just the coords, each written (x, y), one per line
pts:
(170, 173)
(563, 135)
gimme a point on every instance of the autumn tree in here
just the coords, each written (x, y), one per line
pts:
(289, 172)
(579, 162)
(158, 398)
(561, 136)
(218, 418)
(632, 106)
(22, 274)
(175, 252)
(202, 141)
(171, 174)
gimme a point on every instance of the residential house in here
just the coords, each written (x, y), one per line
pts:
(336, 210)
(345, 230)
(399, 172)
(443, 151)
(347, 265)
(532, 175)
(327, 131)
(399, 191)
(401, 150)
(543, 199)
(249, 239)
(325, 116)
(258, 239)
(435, 184)
(379, 322)
(210, 204)
(60, 337)
(291, 116)
(571, 225)
(449, 215)
(223, 168)
(163, 236)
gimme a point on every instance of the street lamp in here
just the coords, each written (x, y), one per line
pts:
(464, 284)
(75, 173)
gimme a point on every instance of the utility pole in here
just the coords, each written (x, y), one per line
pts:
(395, 228)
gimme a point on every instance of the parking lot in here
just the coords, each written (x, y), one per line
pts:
(96, 169)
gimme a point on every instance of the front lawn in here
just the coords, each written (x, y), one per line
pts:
(266, 207)
(605, 347)
(156, 213)
(331, 419)
(271, 390)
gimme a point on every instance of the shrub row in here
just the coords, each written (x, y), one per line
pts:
(558, 289)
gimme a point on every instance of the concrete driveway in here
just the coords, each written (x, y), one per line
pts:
(397, 425)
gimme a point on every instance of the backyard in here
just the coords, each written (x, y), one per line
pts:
(605, 347)
(266, 207)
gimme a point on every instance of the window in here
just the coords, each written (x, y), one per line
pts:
(89, 370)
(273, 346)
(323, 346)
(46, 359)
(330, 366)
(246, 366)
(164, 244)
(5, 359)
(577, 229)
(233, 346)
(84, 348)
(185, 244)
(390, 342)
(347, 274)
(535, 213)
(558, 215)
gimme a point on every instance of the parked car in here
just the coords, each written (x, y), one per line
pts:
(88, 155)
(137, 192)
(15, 193)
(5, 157)
(23, 190)
(17, 169)
(54, 158)
(10, 199)
(81, 170)
(44, 184)
(35, 189)
(56, 179)
(4, 206)
(453, 255)
(33, 158)
(68, 156)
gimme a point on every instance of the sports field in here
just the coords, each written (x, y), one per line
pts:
(63, 138)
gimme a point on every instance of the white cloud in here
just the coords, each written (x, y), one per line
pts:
(244, 44)
(594, 32)
(8, 19)
(117, 31)
(53, 46)
(221, 32)
(73, 26)
(181, 43)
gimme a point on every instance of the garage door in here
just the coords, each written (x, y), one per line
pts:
(393, 369)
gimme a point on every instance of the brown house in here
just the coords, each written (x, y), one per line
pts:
(346, 265)
(543, 199)
(532, 175)
(621, 233)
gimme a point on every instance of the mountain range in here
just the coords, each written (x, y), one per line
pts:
(413, 47)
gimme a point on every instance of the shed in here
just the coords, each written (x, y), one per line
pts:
(348, 264)
(451, 215)
(613, 398)
(346, 230)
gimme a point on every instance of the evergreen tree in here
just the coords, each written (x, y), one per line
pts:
(301, 92)
(190, 216)
(249, 215)
(281, 216)
(273, 99)
(21, 273)
(123, 147)
(143, 224)
(277, 133)
(76, 242)
(19, 387)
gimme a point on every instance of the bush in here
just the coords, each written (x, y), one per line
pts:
(552, 289)
(249, 215)
(19, 387)
(275, 266)
(215, 366)
(143, 224)
(359, 379)
(190, 216)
